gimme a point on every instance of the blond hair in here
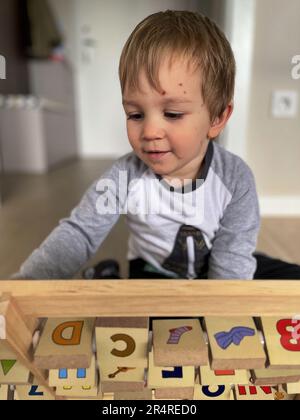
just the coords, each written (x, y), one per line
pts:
(175, 34)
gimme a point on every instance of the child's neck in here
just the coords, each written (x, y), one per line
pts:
(191, 174)
(180, 181)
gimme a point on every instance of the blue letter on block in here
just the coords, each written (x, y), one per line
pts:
(63, 373)
(208, 393)
(81, 373)
(33, 391)
(176, 373)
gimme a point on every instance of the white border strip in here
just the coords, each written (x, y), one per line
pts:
(2, 328)
(280, 206)
(240, 28)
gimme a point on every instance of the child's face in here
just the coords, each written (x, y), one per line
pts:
(169, 130)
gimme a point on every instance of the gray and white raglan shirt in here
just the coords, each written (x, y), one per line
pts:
(206, 229)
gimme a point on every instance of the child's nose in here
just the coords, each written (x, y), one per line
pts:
(152, 130)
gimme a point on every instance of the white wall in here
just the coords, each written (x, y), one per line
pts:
(273, 146)
(240, 30)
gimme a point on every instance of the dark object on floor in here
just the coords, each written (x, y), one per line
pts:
(107, 269)
(275, 269)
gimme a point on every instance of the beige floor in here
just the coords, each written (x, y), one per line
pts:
(33, 205)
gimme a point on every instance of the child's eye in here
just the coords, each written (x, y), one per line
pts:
(170, 115)
(173, 115)
(135, 117)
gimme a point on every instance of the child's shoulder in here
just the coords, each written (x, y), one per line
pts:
(230, 168)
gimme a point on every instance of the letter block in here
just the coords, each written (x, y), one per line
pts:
(84, 391)
(3, 392)
(254, 392)
(234, 343)
(79, 377)
(65, 344)
(274, 376)
(170, 377)
(282, 338)
(179, 342)
(32, 392)
(122, 342)
(223, 377)
(12, 372)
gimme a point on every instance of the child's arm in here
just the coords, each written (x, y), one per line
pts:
(78, 237)
(233, 246)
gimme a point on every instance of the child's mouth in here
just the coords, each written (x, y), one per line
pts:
(157, 155)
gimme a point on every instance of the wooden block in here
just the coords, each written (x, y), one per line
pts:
(114, 373)
(113, 387)
(167, 377)
(122, 341)
(282, 340)
(108, 396)
(122, 379)
(78, 391)
(223, 377)
(3, 392)
(74, 377)
(252, 392)
(122, 322)
(65, 344)
(146, 394)
(274, 376)
(84, 394)
(174, 393)
(33, 392)
(179, 342)
(234, 344)
(292, 388)
(99, 397)
(11, 370)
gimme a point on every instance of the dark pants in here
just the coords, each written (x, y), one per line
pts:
(268, 268)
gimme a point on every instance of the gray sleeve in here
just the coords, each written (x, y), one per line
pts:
(77, 238)
(235, 241)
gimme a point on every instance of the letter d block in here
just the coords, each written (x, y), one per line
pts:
(65, 344)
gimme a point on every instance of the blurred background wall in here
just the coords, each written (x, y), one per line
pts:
(12, 47)
(273, 144)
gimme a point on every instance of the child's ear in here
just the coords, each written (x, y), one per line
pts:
(219, 123)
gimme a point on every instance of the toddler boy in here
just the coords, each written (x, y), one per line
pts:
(191, 206)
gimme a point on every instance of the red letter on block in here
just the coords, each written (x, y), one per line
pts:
(287, 336)
(253, 390)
